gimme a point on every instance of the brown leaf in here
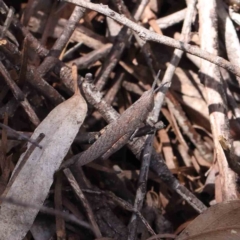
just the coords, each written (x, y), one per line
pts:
(220, 222)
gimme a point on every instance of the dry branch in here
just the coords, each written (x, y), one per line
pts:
(147, 35)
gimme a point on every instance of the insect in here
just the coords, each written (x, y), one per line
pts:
(117, 133)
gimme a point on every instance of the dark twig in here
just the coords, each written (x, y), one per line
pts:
(142, 185)
(84, 202)
(19, 95)
(32, 76)
(56, 50)
(22, 163)
(123, 204)
(50, 21)
(145, 47)
(187, 127)
(29, 11)
(157, 163)
(24, 62)
(112, 92)
(20, 136)
(117, 133)
(46, 210)
(119, 45)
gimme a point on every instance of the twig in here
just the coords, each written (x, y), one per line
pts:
(123, 204)
(132, 87)
(107, 221)
(33, 77)
(7, 22)
(230, 98)
(157, 163)
(84, 201)
(19, 95)
(187, 127)
(19, 135)
(72, 50)
(117, 49)
(22, 163)
(81, 34)
(142, 185)
(229, 35)
(146, 49)
(66, 216)
(49, 23)
(56, 50)
(177, 55)
(170, 20)
(216, 98)
(111, 94)
(29, 11)
(4, 163)
(147, 35)
(24, 62)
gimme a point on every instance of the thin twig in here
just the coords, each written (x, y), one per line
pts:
(157, 163)
(46, 210)
(84, 201)
(56, 50)
(123, 204)
(117, 49)
(24, 62)
(177, 55)
(142, 185)
(147, 35)
(22, 163)
(30, 10)
(33, 77)
(229, 34)
(216, 98)
(19, 95)
(170, 20)
(187, 127)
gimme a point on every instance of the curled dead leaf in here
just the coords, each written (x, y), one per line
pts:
(220, 222)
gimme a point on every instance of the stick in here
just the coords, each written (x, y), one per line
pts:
(84, 202)
(118, 132)
(142, 185)
(157, 163)
(148, 35)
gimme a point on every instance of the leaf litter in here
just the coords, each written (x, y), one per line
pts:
(189, 168)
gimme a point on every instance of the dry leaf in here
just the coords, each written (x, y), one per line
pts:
(32, 184)
(220, 222)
